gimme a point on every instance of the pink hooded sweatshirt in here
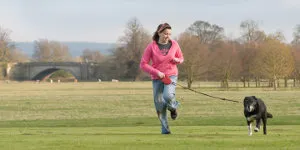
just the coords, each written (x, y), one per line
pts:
(164, 64)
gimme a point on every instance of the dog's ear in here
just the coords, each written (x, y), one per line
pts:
(254, 97)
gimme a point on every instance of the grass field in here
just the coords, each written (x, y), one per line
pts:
(93, 116)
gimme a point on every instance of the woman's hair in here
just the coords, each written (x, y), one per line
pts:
(160, 29)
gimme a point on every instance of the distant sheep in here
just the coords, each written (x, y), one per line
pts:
(114, 80)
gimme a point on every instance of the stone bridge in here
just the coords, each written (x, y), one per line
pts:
(41, 70)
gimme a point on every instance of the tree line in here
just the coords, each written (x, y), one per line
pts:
(209, 54)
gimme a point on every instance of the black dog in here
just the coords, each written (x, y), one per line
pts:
(255, 109)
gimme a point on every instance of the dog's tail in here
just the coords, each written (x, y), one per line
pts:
(269, 115)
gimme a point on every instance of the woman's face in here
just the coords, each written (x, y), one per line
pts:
(165, 35)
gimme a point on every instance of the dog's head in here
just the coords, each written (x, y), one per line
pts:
(250, 103)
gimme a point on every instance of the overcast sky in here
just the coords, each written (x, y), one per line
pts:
(105, 20)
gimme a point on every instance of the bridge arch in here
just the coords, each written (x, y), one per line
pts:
(39, 70)
(47, 72)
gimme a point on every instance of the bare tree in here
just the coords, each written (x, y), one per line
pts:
(206, 32)
(296, 35)
(92, 56)
(51, 51)
(60, 52)
(278, 35)
(296, 52)
(42, 51)
(130, 50)
(246, 56)
(252, 37)
(5, 45)
(225, 62)
(251, 34)
(17, 55)
(195, 54)
(296, 55)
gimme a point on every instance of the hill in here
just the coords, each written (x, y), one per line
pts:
(75, 48)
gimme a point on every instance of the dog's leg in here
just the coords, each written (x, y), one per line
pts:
(251, 118)
(258, 121)
(249, 123)
(264, 119)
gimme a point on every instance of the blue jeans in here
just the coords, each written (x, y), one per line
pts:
(164, 99)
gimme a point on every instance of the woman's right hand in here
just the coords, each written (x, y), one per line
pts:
(160, 75)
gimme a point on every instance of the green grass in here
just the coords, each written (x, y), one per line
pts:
(145, 121)
(87, 116)
(186, 137)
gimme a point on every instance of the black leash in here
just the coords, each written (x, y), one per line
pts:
(224, 99)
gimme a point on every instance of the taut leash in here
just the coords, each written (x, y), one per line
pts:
(224, 99)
